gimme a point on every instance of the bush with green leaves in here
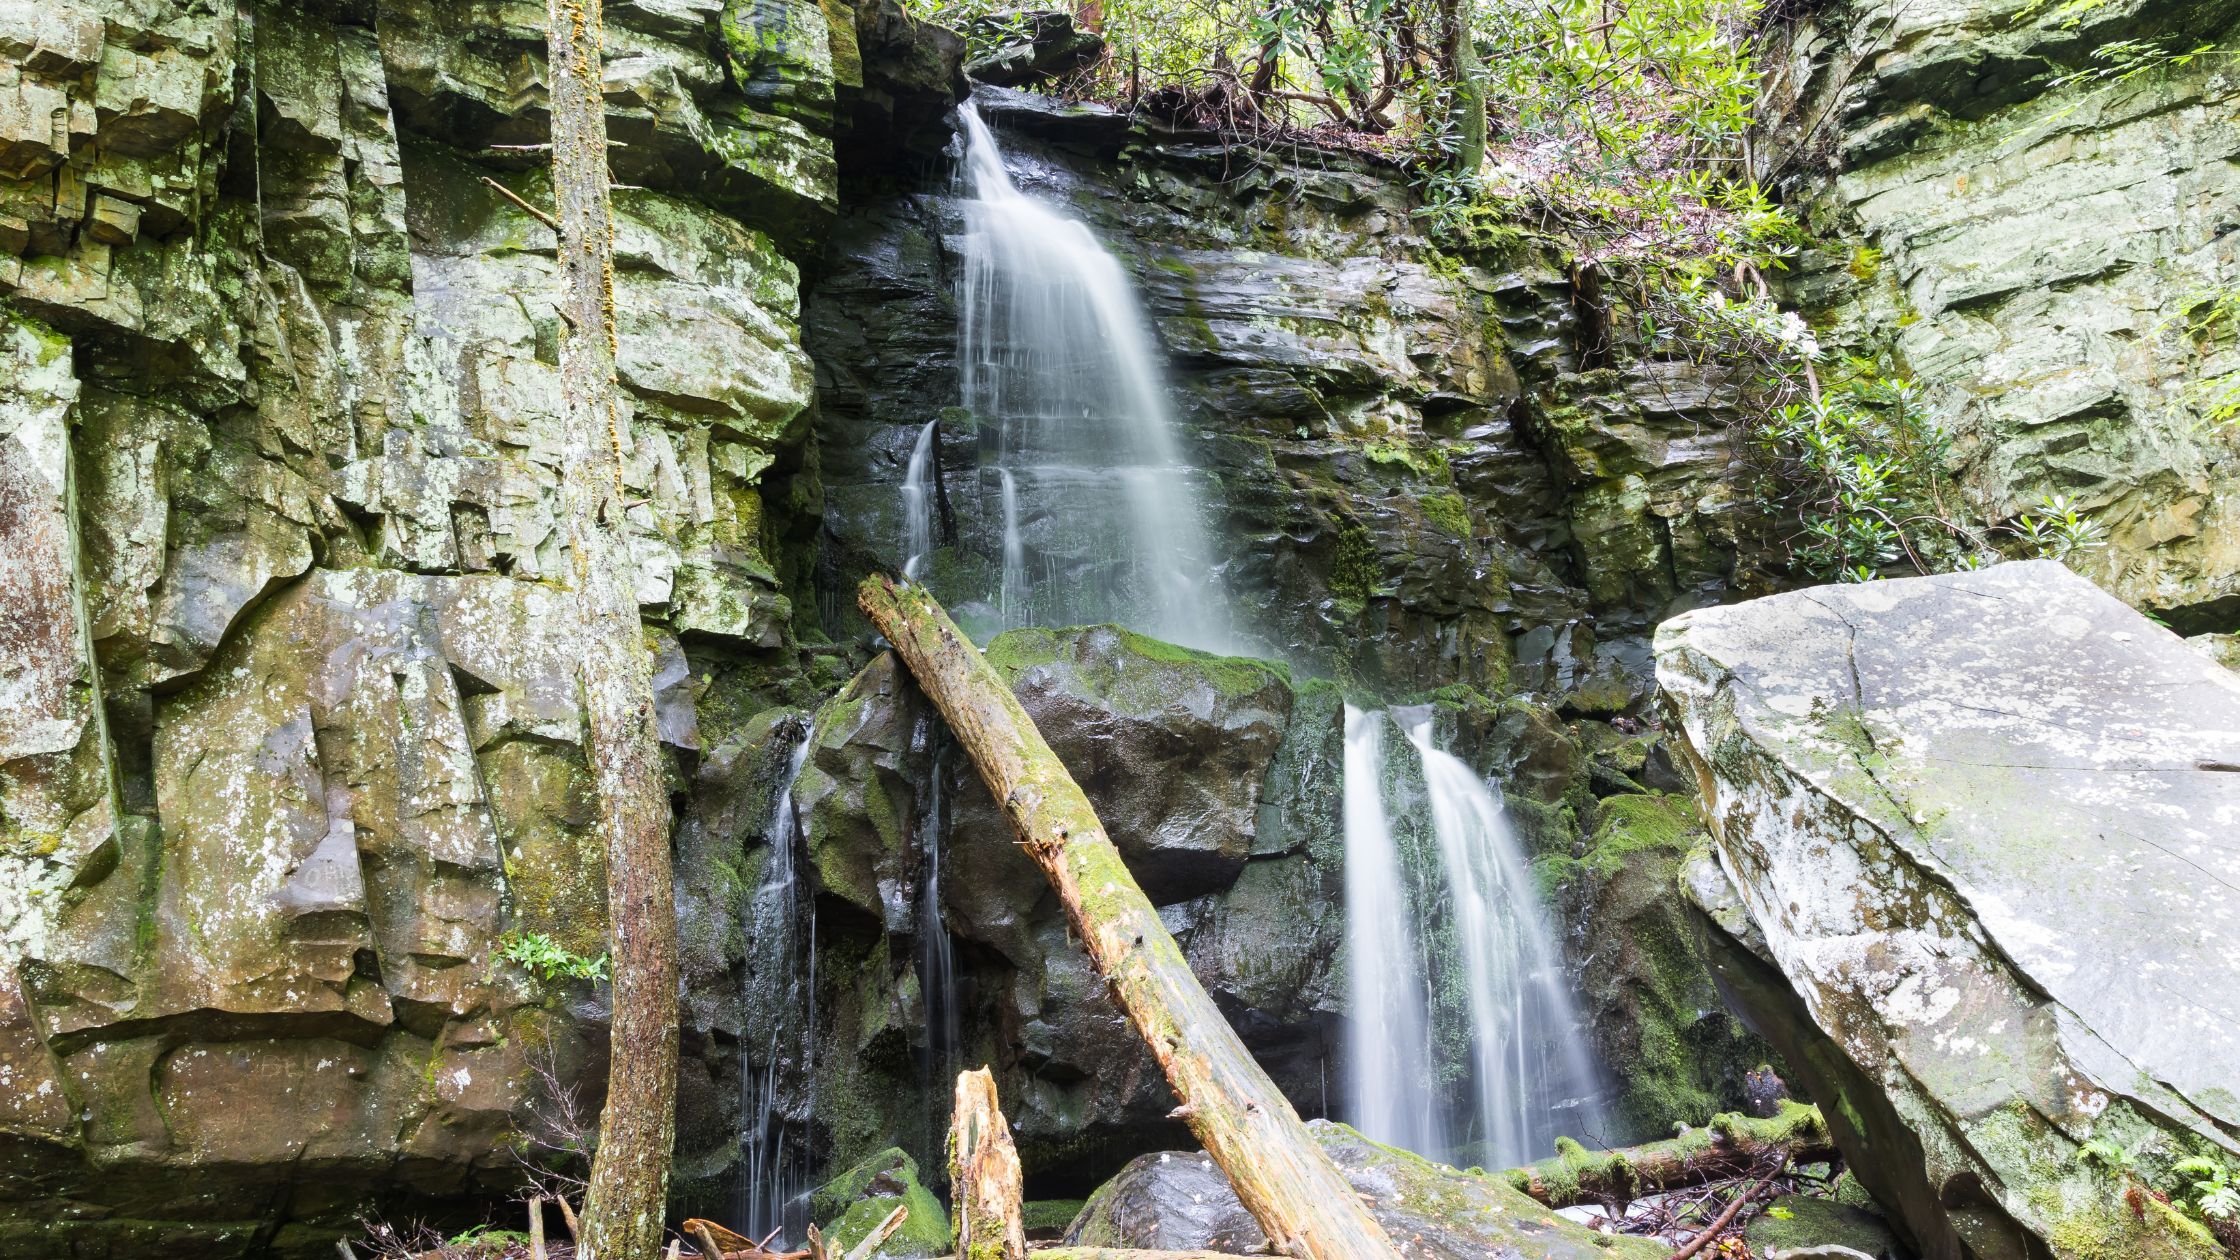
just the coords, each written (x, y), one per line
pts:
(548, 959)
(1848, 461)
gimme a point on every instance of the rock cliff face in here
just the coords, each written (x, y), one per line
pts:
(1218, 782)
(2038, 257)
(288, 746)
(1423, 470)
(1982, 824)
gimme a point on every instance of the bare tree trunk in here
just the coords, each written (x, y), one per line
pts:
(628, 1196)
(1282, 1175)
(985, 1184)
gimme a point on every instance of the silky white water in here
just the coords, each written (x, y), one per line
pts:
(917, 501)
(1532, 1077)
(1463, 1040)
(1100, 521)
(1390, 1070)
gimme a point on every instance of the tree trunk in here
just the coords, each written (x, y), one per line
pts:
(1282, 1175)
(628, 1195)
(985, 1184)
(1466, 102)
(1732, 1146)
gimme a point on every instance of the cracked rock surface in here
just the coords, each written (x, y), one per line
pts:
(1987, 827)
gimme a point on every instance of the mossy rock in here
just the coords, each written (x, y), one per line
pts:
(1181, 1201)
(1796, 1220)
(1049, 1217)
(1657, 1017)
(851, 1205)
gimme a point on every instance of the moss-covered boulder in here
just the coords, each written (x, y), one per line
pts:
(1648, 997)
(1796, 1221)
(1179, 1201)
(1170, 744)
(851, 1205)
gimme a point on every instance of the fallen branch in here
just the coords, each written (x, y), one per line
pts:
(878, 1235)
(1719, 1223)
(1249, 1128)
(1730, 1146)
(514, 197)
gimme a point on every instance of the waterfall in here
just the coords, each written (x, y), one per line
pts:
(1468, 962)
(1533, 1076)
(1059, 371)
(1389, 1060)
(937, 959)
(1014, 553)
(917, 501)
(772, 1188)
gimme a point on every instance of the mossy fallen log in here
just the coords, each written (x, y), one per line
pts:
(1244, 1122)
(1732, 1145)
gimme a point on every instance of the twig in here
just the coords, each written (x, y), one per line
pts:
(343, 1245)
(707, 1241)
(1726, 1218)
(514, 197)
(568, 1214)
(871, 1241)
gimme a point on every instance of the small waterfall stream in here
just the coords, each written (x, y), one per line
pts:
(1451, 956)
(937, 958)
(1099, 517)
(1390, 1061)
(917, 501)
(772, 1188)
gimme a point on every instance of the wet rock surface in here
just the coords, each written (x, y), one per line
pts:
(1955, 821)
(1177, 1201)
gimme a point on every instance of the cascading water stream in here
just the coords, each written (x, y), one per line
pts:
(937, 959)
(1389, 1060)
(772, 1189)
(917, 501)
(1468, 959)
(1059, 369)
(1533, 1078)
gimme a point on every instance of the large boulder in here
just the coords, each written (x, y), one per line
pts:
(1977, 840)
(1217, 781)
(1181, 1201)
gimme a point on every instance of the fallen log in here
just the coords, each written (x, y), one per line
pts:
(986, 1186)
(1731, 1145)
(1249, 1128)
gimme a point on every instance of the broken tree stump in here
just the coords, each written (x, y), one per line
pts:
(986, 1188)
(1249, 1128)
